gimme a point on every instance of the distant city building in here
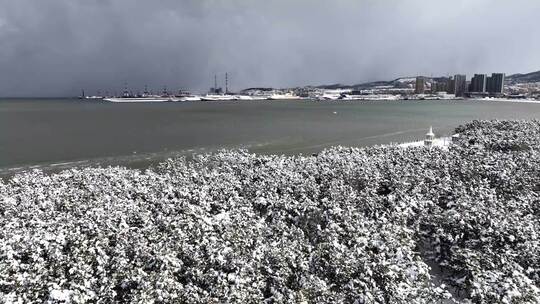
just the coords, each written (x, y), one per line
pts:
(489, 84)
(460, 85)
(451, 86)
(440, 85)
(495, 83)
(478, 83)
(420, 85)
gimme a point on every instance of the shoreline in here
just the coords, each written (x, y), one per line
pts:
(385, 98)
(341, 100)
(234, 217)
(439, 142)
(278, 145)
(145, 161)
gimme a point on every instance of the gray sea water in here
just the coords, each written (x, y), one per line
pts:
(53, 134)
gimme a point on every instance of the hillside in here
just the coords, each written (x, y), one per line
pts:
(367, 85)
(524, 78)
(400, 82)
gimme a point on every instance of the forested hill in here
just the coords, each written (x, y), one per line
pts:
(525, 78)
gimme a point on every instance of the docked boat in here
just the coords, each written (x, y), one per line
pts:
(92, 97)
(190, 98)
(184, 95)
(259, 97)
(141, 99)
(286, 96)
(330, 97)
(218, 97)
(244, 97)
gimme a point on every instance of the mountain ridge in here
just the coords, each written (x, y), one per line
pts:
(514, 78)
(524, 78)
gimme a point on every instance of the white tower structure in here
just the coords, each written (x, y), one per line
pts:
(430, 137)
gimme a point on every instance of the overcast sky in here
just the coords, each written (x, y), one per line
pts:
(57, 47)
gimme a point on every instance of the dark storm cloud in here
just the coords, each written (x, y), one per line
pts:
(56, 47)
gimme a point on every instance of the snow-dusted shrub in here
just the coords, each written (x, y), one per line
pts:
(349, 225)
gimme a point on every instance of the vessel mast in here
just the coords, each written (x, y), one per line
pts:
(226, 83)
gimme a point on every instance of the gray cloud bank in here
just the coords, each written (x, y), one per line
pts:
(57, 47)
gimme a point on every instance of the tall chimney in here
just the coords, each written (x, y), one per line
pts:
(226, 83)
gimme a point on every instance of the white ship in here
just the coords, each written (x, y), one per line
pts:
(218, 97)
(190, 98)
(141, 99)
(249, 97)
(184, 95)
(286, 96)
(93, 97)
(330, 97)
(259, 97)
